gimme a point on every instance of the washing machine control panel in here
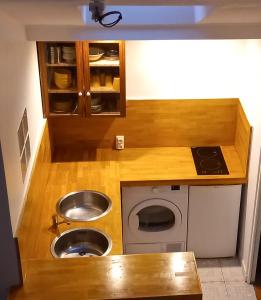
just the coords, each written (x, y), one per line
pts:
(158, 189)
(175, 187)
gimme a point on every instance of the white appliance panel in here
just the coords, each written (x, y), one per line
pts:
(154, 248)
(213, 220)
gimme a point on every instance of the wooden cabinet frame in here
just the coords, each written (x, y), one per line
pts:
(83, 68)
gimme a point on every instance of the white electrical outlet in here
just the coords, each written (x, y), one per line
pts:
(119, 142)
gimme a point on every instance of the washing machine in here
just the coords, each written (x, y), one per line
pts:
(154, 218)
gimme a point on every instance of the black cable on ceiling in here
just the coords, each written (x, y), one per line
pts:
(97, 8)
(101, 18)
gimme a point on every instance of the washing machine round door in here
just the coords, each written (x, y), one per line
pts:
(153, 220)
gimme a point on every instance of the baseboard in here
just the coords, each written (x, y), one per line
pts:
(243, 265)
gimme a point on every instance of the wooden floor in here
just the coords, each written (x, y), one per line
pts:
(258, 279)
(258, 292)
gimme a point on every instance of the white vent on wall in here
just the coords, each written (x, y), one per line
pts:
(24, 144)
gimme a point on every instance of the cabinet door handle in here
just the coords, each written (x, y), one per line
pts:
(80, 94)
(88, 94)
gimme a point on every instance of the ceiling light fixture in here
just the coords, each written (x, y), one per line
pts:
(96, 7)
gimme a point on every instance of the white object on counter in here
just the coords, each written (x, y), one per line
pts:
(119, 142)
(213, 220)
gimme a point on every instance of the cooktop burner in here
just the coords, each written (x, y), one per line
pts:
(209, 161)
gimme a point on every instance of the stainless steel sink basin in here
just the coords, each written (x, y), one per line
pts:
(81, 242)
(83, 206)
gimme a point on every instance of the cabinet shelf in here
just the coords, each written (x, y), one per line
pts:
(59, 91)
(52, 114)
(101, 89)
(107, 113)
(105, 63)
(61, 65)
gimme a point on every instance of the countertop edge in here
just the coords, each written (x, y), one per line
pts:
(222, 181)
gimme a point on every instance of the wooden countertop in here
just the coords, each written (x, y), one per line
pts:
(60, 179)
(104, 170)
(150, 276)
(169, 165)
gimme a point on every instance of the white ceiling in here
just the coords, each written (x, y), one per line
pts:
(67, 12)
(35, 14)
(43, 13)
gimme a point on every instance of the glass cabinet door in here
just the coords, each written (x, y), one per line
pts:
(105, 75)
(61, 76)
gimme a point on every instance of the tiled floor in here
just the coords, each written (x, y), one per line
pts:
(222, 279)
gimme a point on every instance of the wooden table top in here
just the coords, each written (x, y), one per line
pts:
(150, 276)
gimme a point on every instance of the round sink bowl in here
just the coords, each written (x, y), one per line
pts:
(81, 242)
(83, 206)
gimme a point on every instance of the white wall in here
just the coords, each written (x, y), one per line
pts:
(19, 88)
(251, 100)
(184, 69)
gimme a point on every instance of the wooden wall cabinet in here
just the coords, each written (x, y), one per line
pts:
(74, 84)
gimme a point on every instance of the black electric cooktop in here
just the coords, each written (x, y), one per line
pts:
(209, 161)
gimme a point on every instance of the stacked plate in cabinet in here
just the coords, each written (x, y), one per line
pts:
(63, 78)
(96, 105)
(112, 55)
(64, 104)
(69, 54)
